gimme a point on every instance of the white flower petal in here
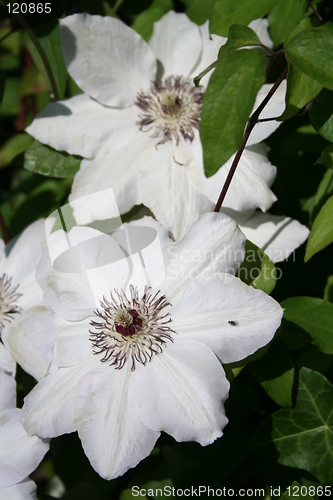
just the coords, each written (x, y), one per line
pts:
(107, 59)
(72, 345)
(66, 285)
(181, 391)
(118, 171)
(277, 235)
(82, 126)
(213, 245)
(7, 380)
(7, 363)
(30, 340)
(113, 437)
(249, 187)
(86, 273)
(47, 409)
(231, 318)
(273, 109)
(19, 453)
(176, 43)
(25, 489)
(211, 45)
(2, 252)
(166, 190)
(101, 261)
(69, 294)
(23, 254)
(7, 391)
(146, 221)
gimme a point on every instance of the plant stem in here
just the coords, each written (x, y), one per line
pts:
(117, 5)
(314, 10)
(250, 124)
(112, 11)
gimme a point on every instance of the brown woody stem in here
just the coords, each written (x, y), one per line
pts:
(250, 124)
(314, 10)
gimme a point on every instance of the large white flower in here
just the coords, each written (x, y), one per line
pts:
(278, 236)
(142, 338)
(19, 453)
(24, 316)
(140, 115)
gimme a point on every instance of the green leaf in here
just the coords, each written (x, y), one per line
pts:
(239, 36)
(228, 12)
(33, 197)
(199, 11)
(283, 18)
(46, 161)
(48, 36)
(321, 232)
(326, 157)
(257, 269)
(321, 114)
(302, 437)
(307, 23)
(328, 292)
(314, 359)
(275, 372)
(293, 336)
(311, 52)
(13, 147)
(295, 487)
(301, 89)
(323, 193)
(10, 50)
(315, 316)
(32, 83)
(11, 99)
(144, 22)
(228, 101)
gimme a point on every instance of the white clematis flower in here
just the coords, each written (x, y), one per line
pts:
(278, 236)
(24, 316)
(140, 347)
(20, 454)
(140, 114)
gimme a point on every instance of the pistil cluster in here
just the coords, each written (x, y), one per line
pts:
(131, 328)
(171, 109)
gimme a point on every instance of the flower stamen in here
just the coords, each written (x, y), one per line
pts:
(8, 299)
(171, 108)
(131, 328)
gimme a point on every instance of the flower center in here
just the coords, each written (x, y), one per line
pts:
(131, 328)
(127, 322)
(8, 299)
(171, 109)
